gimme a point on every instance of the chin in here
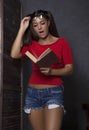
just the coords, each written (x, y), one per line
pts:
(43, 37)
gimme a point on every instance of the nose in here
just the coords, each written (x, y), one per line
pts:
(39, 26)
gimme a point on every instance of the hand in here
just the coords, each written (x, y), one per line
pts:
(46, 71)
(24, 23)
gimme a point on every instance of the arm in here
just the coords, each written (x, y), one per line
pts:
(67, 70)
(67, 59)
(16, 47)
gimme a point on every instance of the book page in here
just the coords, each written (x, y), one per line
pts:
(33, 58)
(49, 59)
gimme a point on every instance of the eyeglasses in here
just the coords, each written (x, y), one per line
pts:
(40, 14)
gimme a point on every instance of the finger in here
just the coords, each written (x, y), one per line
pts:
(43, 68)
(25, 19)
(45, 72)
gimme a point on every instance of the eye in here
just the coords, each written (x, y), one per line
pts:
(34, 25)
(42, 23)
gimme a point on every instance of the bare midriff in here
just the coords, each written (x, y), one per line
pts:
(39, 86)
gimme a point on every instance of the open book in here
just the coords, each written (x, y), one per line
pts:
(47, 58)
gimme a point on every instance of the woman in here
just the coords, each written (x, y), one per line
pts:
(44, 98)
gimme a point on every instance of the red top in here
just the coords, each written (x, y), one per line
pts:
(61, 48)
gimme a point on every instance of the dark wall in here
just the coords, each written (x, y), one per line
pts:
(10, 85)
(1, 39)
(72, 19)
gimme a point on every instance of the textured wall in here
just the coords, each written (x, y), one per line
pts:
(1, 63)
(11, 86)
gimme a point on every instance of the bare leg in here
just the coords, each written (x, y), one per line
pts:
(36, 118)
(46, 119)
(53, 118)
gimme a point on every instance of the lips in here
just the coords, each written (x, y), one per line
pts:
(41, 31)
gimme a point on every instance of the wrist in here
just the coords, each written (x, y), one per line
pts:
(51, 72)
(54, 72)
(21, 31)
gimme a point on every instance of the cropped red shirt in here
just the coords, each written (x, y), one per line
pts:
(61, 48)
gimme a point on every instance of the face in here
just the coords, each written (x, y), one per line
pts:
(41, 26)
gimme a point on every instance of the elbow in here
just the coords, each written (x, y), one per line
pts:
(12, 55)
(71, 70)
(15, 56)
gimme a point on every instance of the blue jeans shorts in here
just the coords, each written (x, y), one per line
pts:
(39, 98)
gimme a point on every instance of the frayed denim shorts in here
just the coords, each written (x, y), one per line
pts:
(39, 98)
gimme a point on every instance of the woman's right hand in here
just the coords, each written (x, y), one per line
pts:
(16, 48)
(24, 23)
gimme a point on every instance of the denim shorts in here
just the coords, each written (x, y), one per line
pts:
(39, 98)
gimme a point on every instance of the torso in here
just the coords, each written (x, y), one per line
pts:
(37, 79)
(39, 86)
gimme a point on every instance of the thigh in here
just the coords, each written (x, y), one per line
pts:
(53, 118)
(36, 118)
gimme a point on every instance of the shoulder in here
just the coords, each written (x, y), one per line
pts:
(60, 41)
(63, 41)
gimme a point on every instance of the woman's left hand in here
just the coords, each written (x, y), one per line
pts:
(45, 71)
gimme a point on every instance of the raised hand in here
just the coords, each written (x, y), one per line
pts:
(24, 23)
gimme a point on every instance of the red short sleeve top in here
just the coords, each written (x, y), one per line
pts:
(61, 48)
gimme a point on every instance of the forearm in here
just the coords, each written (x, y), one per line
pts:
(15, 51)
(67, 70)
(16, 47)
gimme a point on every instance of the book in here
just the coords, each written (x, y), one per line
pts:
(46, 59)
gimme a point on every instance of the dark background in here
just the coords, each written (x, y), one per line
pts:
(72, 20)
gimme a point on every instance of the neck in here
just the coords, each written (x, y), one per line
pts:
(47, 40)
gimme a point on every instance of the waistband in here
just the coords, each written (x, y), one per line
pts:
(46, 89)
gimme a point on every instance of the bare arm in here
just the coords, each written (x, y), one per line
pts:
(16, 47)
(67, 70)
